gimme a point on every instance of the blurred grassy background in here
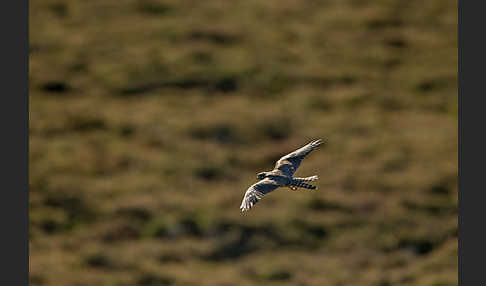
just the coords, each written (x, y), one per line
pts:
(149, 119)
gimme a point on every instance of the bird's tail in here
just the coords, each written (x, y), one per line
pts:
(300, 183)
(306, 179)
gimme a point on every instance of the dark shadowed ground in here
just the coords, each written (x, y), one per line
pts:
(149, 119)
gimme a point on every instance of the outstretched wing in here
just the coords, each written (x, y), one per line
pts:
(288, 164)
(256, 191)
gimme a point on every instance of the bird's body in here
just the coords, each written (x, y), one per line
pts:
(281, 176)
(278, 177)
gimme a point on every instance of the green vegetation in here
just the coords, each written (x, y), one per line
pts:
(149, 119)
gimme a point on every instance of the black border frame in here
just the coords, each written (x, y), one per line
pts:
(471, 21)
(14, 121)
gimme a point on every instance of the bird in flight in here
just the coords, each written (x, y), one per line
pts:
(281, 176)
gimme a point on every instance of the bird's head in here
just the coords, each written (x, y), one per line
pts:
(261, 176)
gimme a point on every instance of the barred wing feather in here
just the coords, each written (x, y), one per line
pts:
(289, 163)
(256, 192)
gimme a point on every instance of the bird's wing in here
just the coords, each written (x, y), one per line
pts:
(289, 163)
(256, 191)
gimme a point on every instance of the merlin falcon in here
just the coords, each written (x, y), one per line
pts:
(281, 176)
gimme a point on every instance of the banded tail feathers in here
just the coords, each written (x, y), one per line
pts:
(301, 184)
